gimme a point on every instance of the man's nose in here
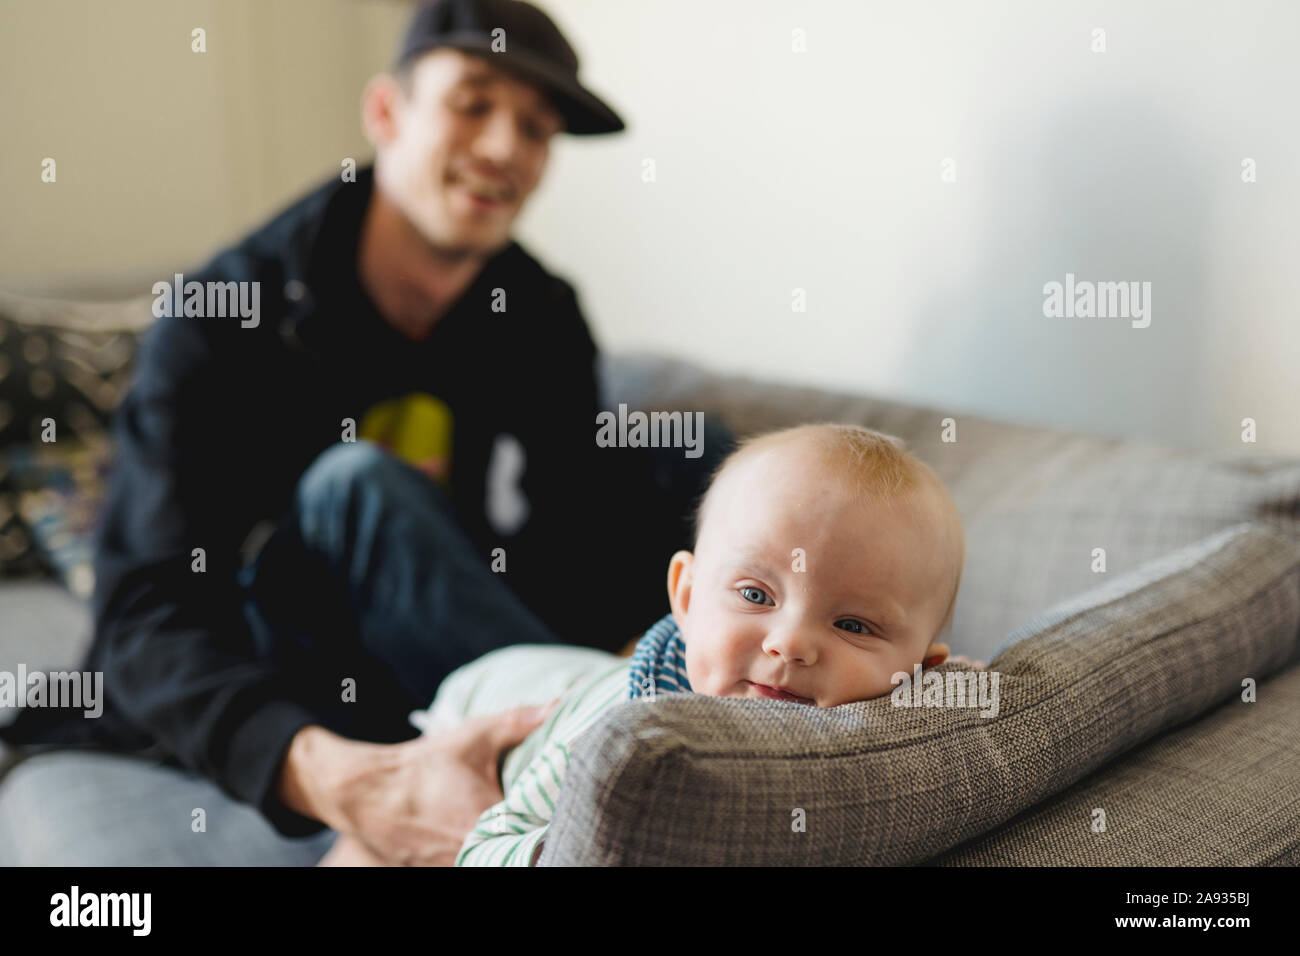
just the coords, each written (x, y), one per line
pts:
(498, 141)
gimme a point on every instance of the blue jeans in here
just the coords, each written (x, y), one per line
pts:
(371, 578)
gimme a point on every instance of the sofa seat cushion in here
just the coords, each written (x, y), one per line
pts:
(83, 808)
(1221, 792)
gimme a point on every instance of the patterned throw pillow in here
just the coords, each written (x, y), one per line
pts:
(18, 557)
(71, 376)
(68, 362)
(59, 488)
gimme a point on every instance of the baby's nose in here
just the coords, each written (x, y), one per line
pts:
(793, 645)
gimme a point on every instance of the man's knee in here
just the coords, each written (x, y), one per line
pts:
(338, 471)
(343, 472)
(346, 472)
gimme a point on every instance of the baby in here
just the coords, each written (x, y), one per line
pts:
(826, 559)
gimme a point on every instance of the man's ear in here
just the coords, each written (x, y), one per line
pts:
(935, 654)
(379, 101)
(680, 570)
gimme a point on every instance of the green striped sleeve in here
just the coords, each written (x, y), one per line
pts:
(509, 833)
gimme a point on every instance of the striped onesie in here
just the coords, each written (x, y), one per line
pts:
(588, 682)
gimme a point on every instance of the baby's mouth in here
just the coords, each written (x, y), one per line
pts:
(777, 693)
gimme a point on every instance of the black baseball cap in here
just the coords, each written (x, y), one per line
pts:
(534, 50)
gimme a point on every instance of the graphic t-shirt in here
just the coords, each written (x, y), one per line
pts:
(416, 427)
(477, 404)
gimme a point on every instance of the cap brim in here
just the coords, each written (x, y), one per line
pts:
(585, 113)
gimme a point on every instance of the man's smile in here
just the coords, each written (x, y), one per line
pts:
(488, 192)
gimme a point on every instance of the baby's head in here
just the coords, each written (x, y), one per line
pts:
(827, 558)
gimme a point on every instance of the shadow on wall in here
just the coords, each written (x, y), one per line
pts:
(1109, 190)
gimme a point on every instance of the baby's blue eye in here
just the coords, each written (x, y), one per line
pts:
(762, 595)
(857, 626)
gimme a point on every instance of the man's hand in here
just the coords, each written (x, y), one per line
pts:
(411, 803)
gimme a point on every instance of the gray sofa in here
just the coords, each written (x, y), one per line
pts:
(1036, 503)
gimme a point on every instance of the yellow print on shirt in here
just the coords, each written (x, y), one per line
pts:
(416, 428)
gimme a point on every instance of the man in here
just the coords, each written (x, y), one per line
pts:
(475, 511)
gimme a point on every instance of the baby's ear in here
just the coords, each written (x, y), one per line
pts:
(679, 583)
(935, 655)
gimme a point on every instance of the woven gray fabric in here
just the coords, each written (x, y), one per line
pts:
(1034, 502)
(719, 781)
(1225, 791)
(80, 808)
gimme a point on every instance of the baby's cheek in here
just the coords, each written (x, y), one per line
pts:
(695, 670)
(735, 661)
(878, 679)
(702, 669)
(719, 655)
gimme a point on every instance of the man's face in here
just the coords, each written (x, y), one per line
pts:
(463, 150)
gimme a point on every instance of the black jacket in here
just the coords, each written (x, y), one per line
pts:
(222, 419)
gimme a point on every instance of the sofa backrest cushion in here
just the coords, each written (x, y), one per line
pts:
(696, 780)
(1036, 503)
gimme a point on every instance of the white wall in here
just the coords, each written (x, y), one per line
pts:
(163, 154)
(822, 171)
(775, 170)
